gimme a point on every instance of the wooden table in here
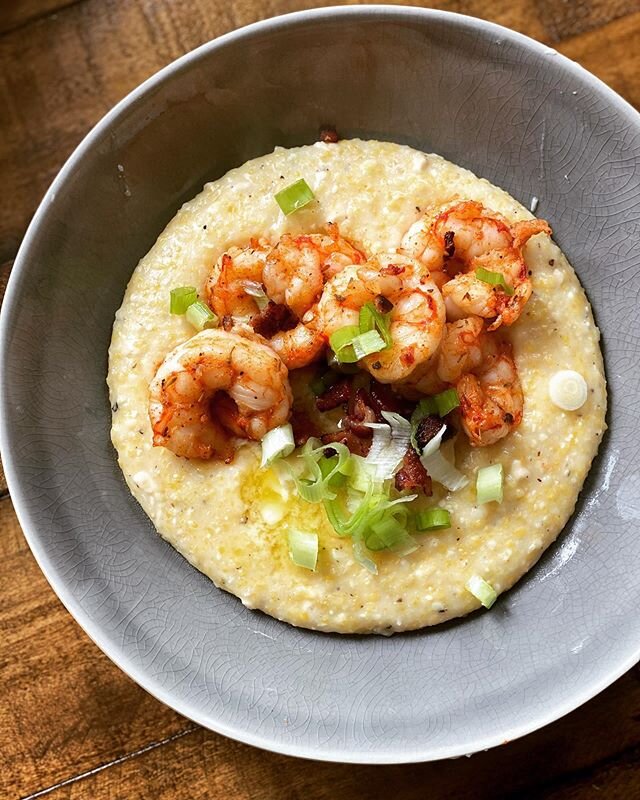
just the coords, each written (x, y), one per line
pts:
(71, 724)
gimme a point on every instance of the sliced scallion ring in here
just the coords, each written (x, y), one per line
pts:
(341, 342)
(181, 298)
(320, 384)
(367, 343)
(433, 519)
(201, 316)
(446, 401)
(494, 279)
(277, 443)
(294, 197)
(568, 390)
(481, 590)
(303, 549)
(489, 484)
(371, 319)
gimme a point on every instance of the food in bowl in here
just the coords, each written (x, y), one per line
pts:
(357, 386)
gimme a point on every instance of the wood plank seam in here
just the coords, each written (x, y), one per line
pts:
(39, 17)
(114, 762)
(630, 756)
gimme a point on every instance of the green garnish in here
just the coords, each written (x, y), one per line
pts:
(277, 443)
(481, 590)
(494, 279)
(182, 298)
(371, 319)
(341, 342)
(433, 519)
(201, 316)
(294, 197)
(303, 549)
(446, 401)
(489, 484)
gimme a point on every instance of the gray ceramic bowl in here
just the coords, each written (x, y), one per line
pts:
(487, 98)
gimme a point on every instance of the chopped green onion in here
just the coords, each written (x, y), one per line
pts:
(360, 555)
(389, 444)
(489, 484)
(433, 519)
(277, 443)
(303, 549)
(481, 590)
(294, 197)
(318, 482)
(568, 390)
(446, 401)
(320, 384)
(182, 298)
(389, 532)
(341, 342)
(367, 343)
(371, 319)
(201, 316)
(494, 279)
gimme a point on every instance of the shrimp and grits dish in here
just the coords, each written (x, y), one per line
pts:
(356, 386)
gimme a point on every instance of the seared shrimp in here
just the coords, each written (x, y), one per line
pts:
(466, 237)
(416, 311)
(460, 352)
(236, 270)
(491, 398)
(297, 267)
(188, 383)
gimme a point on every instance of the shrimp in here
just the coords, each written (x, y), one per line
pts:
(225, 290)
(188, 415)
(465, 237)
(415, 306)
(299, 346)
(460, 351)
(297, 267)
(491, 398)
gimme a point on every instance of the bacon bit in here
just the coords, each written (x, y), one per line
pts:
(426, 429)
(329, 135)
(383, 304)
(303, 428)
(227, 322)
(274, 317)
(412, 475)
(334, 396)
(449, 246)
(356, 444)
(383, 398)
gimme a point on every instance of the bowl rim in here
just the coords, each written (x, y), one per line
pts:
(18, 276)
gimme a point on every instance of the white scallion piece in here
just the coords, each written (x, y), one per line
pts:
(389, 444)
(439, 468)
(568, 390)
(277, 443)
(481, 590)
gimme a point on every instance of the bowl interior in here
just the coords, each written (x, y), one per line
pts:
(512, 111)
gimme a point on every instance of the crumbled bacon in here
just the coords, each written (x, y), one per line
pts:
(383, 398)
(329, 135)
(427, 428)
(227, 322)
(359, 411)
(382, 304)
(357, 444)
(303, 428)
(412, 476)
(274, 317)
(334, 396)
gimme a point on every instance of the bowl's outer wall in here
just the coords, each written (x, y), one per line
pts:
(483, 97)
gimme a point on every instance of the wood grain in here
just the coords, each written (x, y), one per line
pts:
(204, 765)
(64, 707)
(16, 14)
(70, 721)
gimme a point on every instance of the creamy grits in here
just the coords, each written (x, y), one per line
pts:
(231, 520)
